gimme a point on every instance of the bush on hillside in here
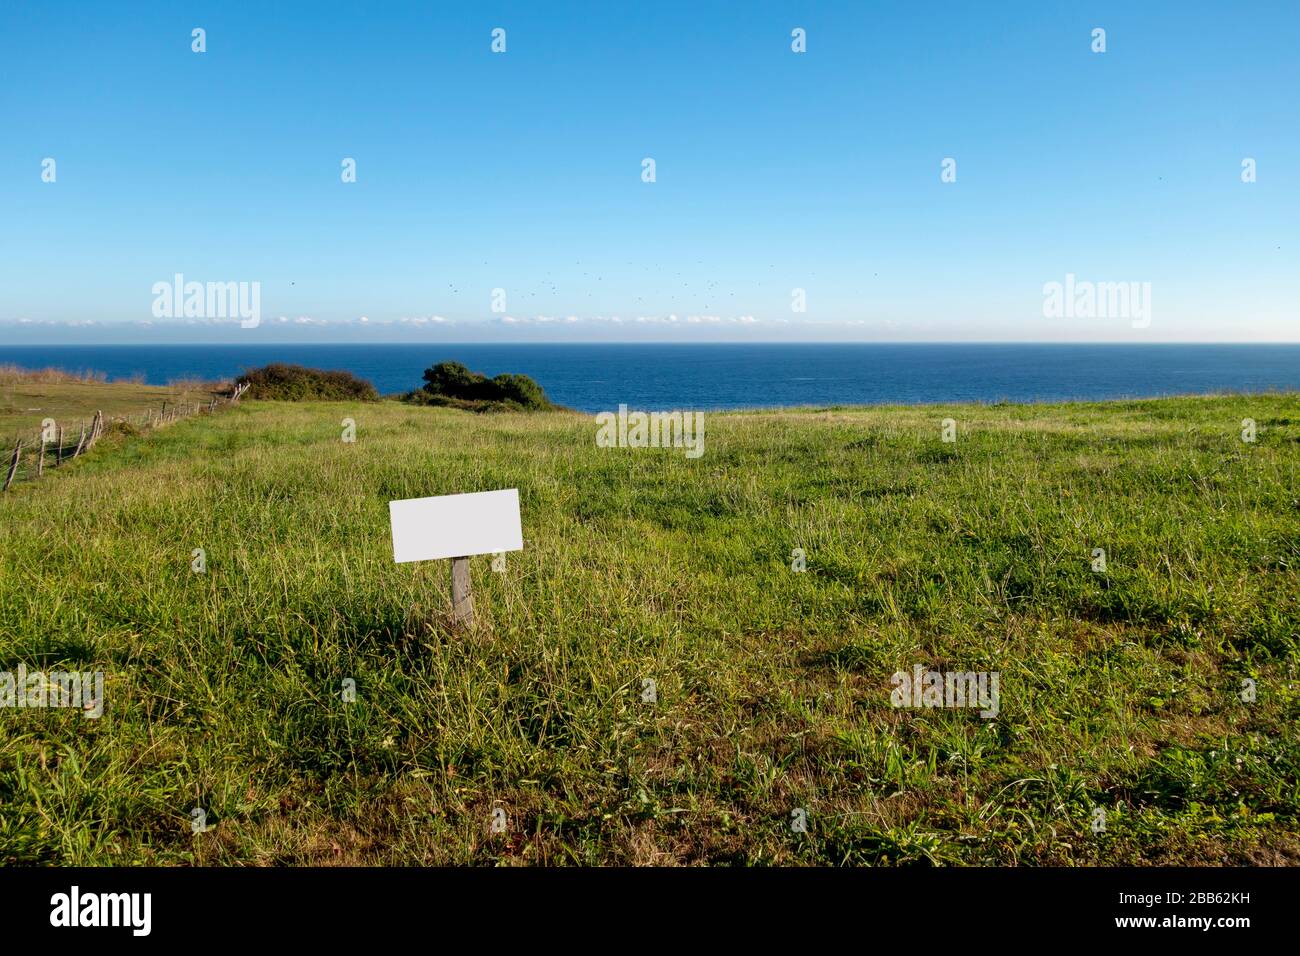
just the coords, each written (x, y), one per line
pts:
(294, 383)
(125, 429)
(450, 383)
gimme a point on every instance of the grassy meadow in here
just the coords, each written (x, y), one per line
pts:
(1120, 691)
(27, 398)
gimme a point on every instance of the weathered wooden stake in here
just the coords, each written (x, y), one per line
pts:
(40, 458)
(58, 453)
(96, 427)
(13, 470)
(462, 598)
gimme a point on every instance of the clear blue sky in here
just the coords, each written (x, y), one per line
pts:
(775, 170)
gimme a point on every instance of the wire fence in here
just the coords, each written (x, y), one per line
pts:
(53, 445)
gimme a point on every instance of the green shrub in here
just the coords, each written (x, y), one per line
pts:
(452, 384)
(122, 428)
(294, 383)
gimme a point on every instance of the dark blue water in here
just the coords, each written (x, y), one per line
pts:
(599, 377)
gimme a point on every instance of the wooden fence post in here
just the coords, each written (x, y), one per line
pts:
(13, 465)
(96, 427)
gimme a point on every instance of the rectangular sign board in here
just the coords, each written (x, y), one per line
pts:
(454, 526)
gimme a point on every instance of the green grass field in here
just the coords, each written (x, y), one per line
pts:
(1120, 691)
(25, 401)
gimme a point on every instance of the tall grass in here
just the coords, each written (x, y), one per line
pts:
(11, 374)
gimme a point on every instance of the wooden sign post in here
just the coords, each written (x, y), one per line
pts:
(456, 527)
(462, 594)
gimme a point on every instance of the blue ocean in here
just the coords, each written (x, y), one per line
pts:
(598, 377)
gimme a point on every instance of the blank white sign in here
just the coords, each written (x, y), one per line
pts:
(453, 526)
